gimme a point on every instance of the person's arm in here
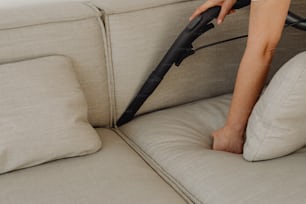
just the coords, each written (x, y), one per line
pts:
(267, 18)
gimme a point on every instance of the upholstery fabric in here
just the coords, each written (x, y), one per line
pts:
(109, 6)
(120, 6)
(277, 124)
(138, 41)
(72, 30)
(43, 114)
(115, 175)
(16, 16)
(177, 141)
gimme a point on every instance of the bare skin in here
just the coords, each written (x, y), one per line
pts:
(267, 18)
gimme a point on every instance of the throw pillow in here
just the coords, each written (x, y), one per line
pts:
(43, 114)
(277, 125)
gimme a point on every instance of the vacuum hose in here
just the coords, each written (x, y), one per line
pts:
(182, 48)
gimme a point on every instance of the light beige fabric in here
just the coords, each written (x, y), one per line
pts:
(178, 141)
(115, 175)
(109, 6)
(277, 125)
(43, 114)
(70, 29)
(21, 16)
(138, 42)
(120, 6)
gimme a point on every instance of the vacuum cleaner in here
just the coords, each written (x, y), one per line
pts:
(182, 48)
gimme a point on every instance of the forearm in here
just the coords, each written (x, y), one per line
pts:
(250, 80)
(266, 24)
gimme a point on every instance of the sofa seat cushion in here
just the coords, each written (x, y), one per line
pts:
(116, 174)
(177, 142)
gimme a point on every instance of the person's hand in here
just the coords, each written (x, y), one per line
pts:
(228, 139)
(226, 8)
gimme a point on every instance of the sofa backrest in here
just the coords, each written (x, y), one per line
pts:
(139, 37)
(112, 66)
(70, 29)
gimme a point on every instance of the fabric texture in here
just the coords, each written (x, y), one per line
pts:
(276, 126)
(114, 175)
(43, 114)
(109, 6)
(120, 6)
(138, 42)
(69, 29)
(178, 141)
(20, 16)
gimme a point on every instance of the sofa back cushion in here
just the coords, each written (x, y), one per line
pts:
(70, 29)
(140, 38)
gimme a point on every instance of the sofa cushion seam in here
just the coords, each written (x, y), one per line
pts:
(107, 64)
(163, 173)
(110, 70)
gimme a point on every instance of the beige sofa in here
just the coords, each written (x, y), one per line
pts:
(164, 155)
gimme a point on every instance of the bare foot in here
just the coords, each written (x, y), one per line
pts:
(228, 139)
